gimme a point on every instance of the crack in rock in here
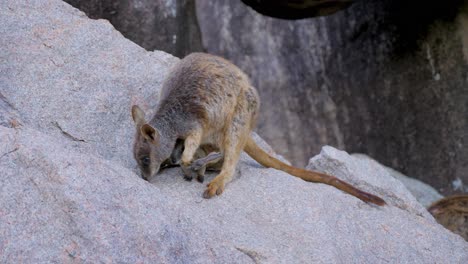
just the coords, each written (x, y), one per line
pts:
(254, 255)
(68, 135)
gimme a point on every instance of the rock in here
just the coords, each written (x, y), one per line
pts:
(63, 205)
(9, 117)
(424, 194)
(170, 26)
(344, 166)
(55, 70)
(293, 9)
(385, 77)
(69, 189)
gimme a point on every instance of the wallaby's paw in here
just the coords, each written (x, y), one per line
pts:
(201, 178)
(214, 187)
(188, 173)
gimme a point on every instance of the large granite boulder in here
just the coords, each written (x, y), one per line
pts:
(424, 193)
(70, 192)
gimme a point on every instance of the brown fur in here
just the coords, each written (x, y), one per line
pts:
(209, 104)
(452, 212)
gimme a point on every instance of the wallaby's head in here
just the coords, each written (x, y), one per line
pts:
(151, 147)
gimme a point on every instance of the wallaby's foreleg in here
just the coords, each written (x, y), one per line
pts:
(234, 141)
(191, 144)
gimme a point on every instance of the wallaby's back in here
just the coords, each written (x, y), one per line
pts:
(201, 87)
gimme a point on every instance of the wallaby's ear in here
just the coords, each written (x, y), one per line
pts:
(138, 115)
(149, 133)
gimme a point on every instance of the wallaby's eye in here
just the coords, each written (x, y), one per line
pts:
(145, 161)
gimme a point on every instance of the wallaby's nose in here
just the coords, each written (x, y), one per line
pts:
(145, 177)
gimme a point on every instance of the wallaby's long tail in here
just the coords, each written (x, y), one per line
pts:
(268, 161)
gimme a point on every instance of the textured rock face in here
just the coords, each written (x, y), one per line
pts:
(380, 77)
(425, 194)
(294, 9)
(167, 25)
(69, 191)
(59, 79)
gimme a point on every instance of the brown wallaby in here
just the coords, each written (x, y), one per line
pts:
(208, 104)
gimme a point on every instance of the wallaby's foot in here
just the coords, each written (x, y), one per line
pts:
(201, 164)
(201, 174)
(216, 186)
(201, 178)
(188, 172)
(211, 158)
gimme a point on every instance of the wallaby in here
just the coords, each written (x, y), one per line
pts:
(208, 104)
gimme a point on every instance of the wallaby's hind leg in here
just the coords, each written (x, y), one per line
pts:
(201, 164)
(209, 159)
(191, 144)
(234, 142)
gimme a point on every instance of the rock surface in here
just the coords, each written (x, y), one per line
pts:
(387, 78)
(424, 194)
(75, 78)
(69, 191)
(294, 9)
(167, 25)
